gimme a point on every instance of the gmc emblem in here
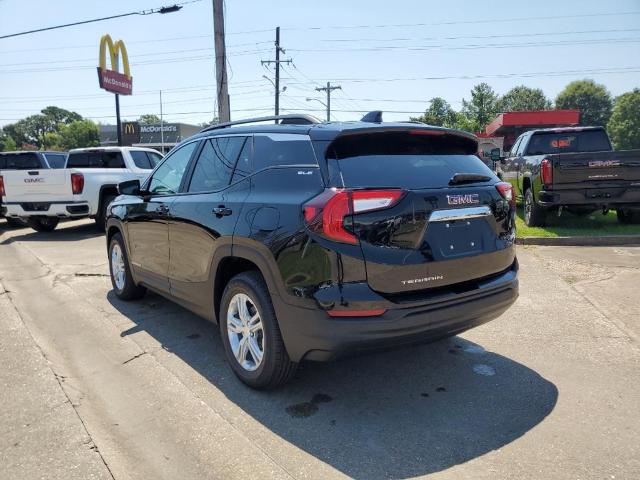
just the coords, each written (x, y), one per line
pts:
(469, 198)
(33, 180)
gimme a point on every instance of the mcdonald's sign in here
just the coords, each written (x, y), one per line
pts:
(112, 80)
(130, 133)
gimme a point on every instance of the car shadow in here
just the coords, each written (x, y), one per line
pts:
(64, 232)
(394, 414)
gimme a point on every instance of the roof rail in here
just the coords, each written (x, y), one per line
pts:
(292, 119)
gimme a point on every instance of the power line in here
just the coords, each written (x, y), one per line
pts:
(460, 22)
(160, 10)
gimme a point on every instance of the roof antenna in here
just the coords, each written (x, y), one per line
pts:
(373, 117)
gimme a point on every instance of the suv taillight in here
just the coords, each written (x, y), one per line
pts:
(546, 171)
(325, 214)
(506, 190)
(1, 186)
(77, 183)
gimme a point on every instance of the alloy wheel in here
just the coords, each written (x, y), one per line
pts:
(117, 266)
(245, 332)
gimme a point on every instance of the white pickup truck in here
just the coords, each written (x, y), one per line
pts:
(83, 189)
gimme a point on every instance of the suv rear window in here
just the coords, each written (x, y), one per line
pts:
(545, 143)
(95, 160)
(404, 160)
(20, 161)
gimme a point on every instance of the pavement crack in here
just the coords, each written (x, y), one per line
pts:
(134, 357)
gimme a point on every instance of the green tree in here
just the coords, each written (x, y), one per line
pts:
(592, 99)
(523, 99)
(56, 116)
(624, 124)
(149, 119)
(7, 143)
(439, 113)
(52, 141)
(79, 134)
(482, 107)
(213, 121)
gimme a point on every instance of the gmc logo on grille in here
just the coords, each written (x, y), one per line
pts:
(467, 199)
(33, 180)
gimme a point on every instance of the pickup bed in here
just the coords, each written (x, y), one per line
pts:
(575, 168)
(85, 188)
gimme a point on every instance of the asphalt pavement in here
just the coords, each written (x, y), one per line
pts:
(93, 387)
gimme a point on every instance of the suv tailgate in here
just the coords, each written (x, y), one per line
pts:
(441, 232)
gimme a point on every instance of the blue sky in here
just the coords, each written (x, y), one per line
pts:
(392, 56)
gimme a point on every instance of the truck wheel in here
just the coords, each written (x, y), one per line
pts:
(121, 278)
(250, 333)
(534, 214)
(628, 216)
(101, 217)
(43, 224)
(15, 222)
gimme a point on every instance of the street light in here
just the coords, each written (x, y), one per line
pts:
(284, 89)
(324, 104)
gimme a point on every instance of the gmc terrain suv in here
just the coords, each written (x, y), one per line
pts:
(305, 240)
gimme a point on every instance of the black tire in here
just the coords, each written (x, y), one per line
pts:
(128, 290)
(534, 214)
(43, 224)
(628, 216)
(275, 368)
(16, 222)
(101, 217)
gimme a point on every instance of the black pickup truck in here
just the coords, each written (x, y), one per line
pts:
(574, 168)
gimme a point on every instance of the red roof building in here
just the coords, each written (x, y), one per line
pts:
(511, 124)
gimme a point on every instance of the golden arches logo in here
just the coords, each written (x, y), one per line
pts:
(111, 79)
(129, 129)
(116, 51)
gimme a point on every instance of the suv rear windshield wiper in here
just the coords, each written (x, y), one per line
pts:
(459, 178)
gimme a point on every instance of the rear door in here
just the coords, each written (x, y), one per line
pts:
(441, 231)
(203, 218)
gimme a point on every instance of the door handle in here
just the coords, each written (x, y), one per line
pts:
(222, 211)
(162, 209)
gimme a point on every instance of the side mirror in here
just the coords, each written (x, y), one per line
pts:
(495, 154)
(130, 187)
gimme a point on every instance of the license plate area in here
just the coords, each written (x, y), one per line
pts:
(455, 238)
(35, 206)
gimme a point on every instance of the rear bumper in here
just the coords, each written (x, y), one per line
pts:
(599, 197)
(47, 209)
(311, 334)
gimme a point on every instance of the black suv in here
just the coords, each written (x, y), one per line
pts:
(307, 240)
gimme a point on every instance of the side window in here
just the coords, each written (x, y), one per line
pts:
(112, 160)
(243, 165)
(282, 149)
(216, 163)
(154, 159)
(514, 149)
(167, 178)
(56, 160)
(140, 159)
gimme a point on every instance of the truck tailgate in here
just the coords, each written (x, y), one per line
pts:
(37, 185)
(595, 168)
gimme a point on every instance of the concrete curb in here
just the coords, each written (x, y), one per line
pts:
(595, 241)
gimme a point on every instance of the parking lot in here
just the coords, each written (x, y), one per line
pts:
(93, 387)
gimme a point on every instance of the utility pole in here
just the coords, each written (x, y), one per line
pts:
(277, 62)
(328, 89)
(118, 122)
(224, 112)
(161, 125)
